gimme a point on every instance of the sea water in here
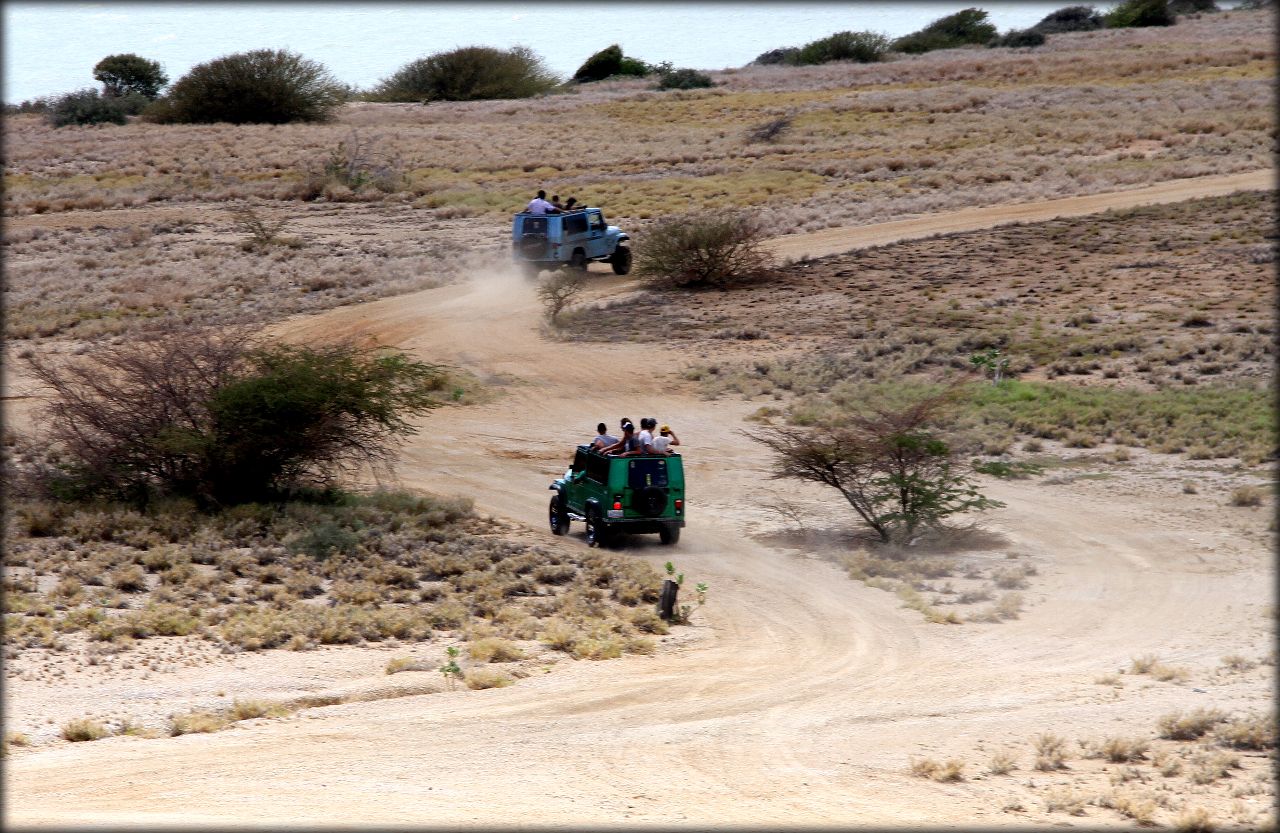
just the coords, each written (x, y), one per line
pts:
(51, 48)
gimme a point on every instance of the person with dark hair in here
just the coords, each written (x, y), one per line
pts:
(569, 206)
(539, 205)
(603, 438)
(555, 200)
(624, 446)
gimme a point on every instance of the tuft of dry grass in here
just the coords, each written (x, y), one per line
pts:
(83, 729)
(197, 722)
(398, 664)
(481, 678)
(951, 770)
(1235, 662)
(16, 739)
(494, 649)
(1002, 763)
(1191, 725)
(1119, 750)
(1195, 820)
(1143, 664)
(1246, 496)
(1065, 800)
(1257, 731)
(1141, 810)
(1051, 752)
(251, 709)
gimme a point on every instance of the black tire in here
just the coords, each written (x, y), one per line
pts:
(557, 517)
(621, 260)
(669, 535)
(597, 529)
(650, 502)
(578, 260)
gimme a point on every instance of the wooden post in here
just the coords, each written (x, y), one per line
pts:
(667, 601)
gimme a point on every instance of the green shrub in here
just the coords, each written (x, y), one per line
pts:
(715, 249)
(888, 462)
(1181, 7)
(129, 73)
(785, 55)
(468, 74)
(1137, 13)
(863, 47)
(683, 79)
(1015, 38)
(1070, 19)
(88, 107)
(607, 63)
(969, 26)
(224, 420)
(265, 86)
(41, 104)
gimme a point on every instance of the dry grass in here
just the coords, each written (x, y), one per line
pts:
(398, 664)
(297, 576)
(1235, 662)
(251, 709)
(479, 678)
(1065, 800)
(1051, 752)
(494, 649)
(1246, 496)
(83, 729)
(1190, 725)
(198, 722)
(951, 770)
(1002, 763)
(1256, 731)
(930, 133)
(1195, 820)
(1123, 750)
(1141, 809)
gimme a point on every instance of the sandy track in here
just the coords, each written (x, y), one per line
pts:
(800, 702)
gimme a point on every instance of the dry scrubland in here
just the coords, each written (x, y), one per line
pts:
(391, 198)
(1087, 112)
(94, 597)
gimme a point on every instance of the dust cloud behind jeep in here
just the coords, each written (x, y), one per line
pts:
(572, 238)
(620, 495)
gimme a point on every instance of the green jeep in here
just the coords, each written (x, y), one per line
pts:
(619, 495)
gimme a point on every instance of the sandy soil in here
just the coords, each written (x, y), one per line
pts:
(804, 696)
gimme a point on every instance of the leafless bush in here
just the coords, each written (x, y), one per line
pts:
(770, 130)
(262, 233)
(558, 290)
(720, 249)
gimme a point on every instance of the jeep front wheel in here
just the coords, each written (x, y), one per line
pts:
(597, 530)
(621, 260)
(669, 535)
(557, 516)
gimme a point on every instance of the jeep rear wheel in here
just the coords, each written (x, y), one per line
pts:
(597, 530)
(578, 260)
(669, 535)
(557, 516)
(621, 260)
(530, 270)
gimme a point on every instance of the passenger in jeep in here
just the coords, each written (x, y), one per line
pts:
(625, 445)
(603, 438)
(539, 205)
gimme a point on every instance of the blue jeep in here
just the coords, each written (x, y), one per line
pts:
(571, 238)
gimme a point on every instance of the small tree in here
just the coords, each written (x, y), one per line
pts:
(558, 290)
(889, 464)
(1015, 38)
(683, 79)
(711, 249)
(129, 73)
(223, 418)
(468, 74)
(87, 106)
(265, 86)
(1070, 19)
(599, 66)
(863, 47)
(969, 26)
(1138, 13)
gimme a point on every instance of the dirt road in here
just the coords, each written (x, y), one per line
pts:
(804, 695)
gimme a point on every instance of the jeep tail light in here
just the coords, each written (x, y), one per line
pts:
(617, 504)
(679, 505)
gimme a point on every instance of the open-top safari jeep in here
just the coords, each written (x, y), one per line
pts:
(572, 238)
(619, 495)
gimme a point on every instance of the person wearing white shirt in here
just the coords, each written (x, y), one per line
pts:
(539, 205)
(665, 439)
